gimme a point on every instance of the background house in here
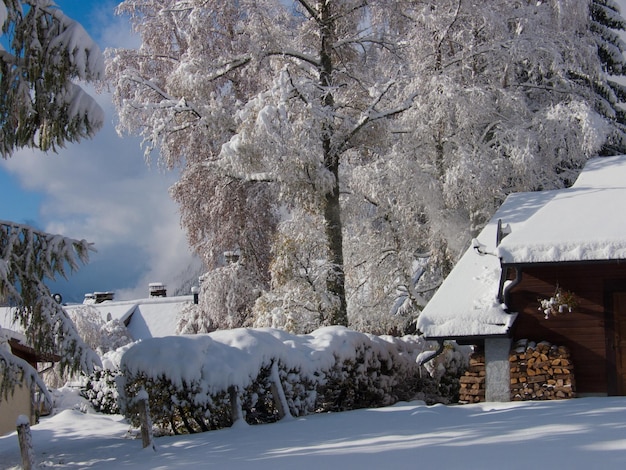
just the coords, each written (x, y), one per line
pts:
(573, 239)
(25, 399)
(152, 317)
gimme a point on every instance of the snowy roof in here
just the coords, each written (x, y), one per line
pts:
(573, 224)
(466, 303)
(581, 223)
(153, 317)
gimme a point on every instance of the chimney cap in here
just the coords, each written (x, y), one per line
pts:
(157, 289)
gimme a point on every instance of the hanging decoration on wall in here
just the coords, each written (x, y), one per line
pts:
(562, 301)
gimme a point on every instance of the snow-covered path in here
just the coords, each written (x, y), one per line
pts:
(584, 433)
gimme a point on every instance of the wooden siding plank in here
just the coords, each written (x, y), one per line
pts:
(584, 330)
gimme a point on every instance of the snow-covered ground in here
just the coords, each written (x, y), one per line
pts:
(585, 433)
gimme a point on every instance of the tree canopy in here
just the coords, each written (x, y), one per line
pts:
(370, 139)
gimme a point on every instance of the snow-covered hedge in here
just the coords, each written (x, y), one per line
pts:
(100, 387)
(101, 391)
(192, 381)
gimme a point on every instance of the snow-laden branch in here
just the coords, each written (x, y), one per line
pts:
(310, 10)
(295, 55)
(259, 177)
(168, 101)
(344, 14)
(16, 372)
(370, 114)
(44, 54)
(83, 53)
(27, 258)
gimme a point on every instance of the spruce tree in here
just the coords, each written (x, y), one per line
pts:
(43, 56)
(605, 24)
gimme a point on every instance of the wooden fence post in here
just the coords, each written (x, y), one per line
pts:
(26, 442)
(236, 412)
(147, 438)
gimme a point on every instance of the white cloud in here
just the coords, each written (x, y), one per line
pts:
(112, 31)
(103, 191)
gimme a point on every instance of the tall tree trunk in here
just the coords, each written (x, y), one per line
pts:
(332, 208)
(336, 281)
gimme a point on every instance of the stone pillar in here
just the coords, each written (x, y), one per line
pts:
(498, 375)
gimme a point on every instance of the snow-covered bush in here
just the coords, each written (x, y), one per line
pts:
(374, 376)
(192, 320)
(176, 406)
(100, 386)
(447, 367)
(101, 392)
(193, 381)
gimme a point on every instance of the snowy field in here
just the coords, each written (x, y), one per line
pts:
(585, 433)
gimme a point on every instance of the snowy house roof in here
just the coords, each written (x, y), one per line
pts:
(581, 223)
(573, 224)
(466, 303)
(154, 317)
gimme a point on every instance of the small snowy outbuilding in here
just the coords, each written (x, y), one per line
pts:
(537, 244)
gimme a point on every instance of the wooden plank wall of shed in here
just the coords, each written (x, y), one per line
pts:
(584, 330)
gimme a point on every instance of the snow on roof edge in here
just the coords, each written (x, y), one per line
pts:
(465, 305)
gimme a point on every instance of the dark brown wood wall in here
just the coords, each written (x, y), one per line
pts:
(584, 330)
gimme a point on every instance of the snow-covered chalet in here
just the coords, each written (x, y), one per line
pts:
(549, 267)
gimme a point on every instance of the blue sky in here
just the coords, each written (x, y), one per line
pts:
(100, 190)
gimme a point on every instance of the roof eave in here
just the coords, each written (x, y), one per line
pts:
(470, 339)
(524, 264)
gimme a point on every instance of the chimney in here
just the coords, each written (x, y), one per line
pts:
(195, 291)
(100, 297)
(157, 289)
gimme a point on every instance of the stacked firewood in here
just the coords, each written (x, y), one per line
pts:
(541, 371)
(472, 388)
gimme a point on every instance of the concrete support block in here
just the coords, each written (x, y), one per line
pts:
(498, 373)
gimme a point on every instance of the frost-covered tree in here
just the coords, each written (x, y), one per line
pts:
(44, 54)
(374, 138)
(99, 335)
(504, 103)
(266, 91)
(298, 300)
(221, 215)
(500, 107)
(181, 93)
(28, 258)
(229, 294)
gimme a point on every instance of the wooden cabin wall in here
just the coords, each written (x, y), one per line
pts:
(583, 330)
